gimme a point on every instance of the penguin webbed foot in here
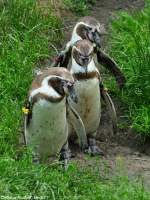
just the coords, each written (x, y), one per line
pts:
(65, 156)
(93, 149)
(84, 148)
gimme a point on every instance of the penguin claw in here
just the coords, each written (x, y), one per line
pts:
(64, 158)
(95, 150)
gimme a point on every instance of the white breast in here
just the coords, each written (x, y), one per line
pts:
(76, 68)
(88, 106)
(48, 129)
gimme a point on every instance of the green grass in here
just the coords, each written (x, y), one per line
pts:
(25, 35)
(21, 178)
(80, 7)
(130, 46)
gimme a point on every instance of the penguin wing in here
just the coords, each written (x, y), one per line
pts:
(111, 108)
(25, 126)
(78, 125)
(110, 64)
(27, 117)
(66, 56)
(63, 57)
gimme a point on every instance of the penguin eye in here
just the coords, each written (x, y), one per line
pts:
(95, 31)
(70, 86)
(89, 28)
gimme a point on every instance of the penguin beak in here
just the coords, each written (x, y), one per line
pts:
(85, 61)
(97, 40)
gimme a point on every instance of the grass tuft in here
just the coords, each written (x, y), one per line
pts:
(80, 7)
(130, 46)
(20, 179)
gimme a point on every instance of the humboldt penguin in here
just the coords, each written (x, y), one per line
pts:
(89, 28)
(46, 123)
(87, 88)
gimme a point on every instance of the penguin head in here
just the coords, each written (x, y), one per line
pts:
(91, 29)
(52, 84)
(63, 87)
(82, 53)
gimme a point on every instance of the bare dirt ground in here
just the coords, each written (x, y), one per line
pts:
(125, 152)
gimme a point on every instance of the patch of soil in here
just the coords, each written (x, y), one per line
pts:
(104, 9)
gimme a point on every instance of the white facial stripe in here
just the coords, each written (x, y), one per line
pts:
(46, 79)
(98, 27)
(81, 23)
(75, 37)
(76, 68)
(46, 89)
(91, 49)
(77, 49)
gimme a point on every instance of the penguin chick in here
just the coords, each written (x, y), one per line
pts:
(46, 124)
(89, 28)
(87, 88)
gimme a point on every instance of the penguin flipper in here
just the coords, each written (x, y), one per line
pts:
(66, 55)
(111, 108)
(65, 61)
(110, 64)
(25, 127)
(27, 110)
(78, 125)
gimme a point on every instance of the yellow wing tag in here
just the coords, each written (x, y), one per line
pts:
(106, 89)
(25, 110)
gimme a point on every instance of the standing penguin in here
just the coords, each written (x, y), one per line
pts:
(87, 87)
(46, 123)
(89, 28)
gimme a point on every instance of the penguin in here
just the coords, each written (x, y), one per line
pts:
(87, 88)
(90, 28)
(46, 120)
